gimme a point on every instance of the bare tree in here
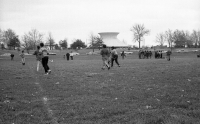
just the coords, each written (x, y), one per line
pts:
(35, 37)
(139, 31)
(198, 33)
(63, 43)
(169, 38)
(160, 38)
(188, 38)
(195, 37)
(2, 39)
(25, 41)
(50, 40)
(92, 39)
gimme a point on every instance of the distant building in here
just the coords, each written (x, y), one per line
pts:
(47, 45)
(110, 39)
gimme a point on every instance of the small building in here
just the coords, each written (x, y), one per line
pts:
(50, 47)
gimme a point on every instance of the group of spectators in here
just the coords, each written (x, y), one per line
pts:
(144, 54)
(158, 54)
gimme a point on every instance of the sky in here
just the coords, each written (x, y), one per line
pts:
(77, 19)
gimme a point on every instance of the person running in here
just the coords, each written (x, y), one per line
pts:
(123, 54)
(23, 57)
(114, 56)
(45, 58)
(105, 57)
(38, 57)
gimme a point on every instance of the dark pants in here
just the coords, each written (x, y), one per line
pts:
(168, 57)
(71, 57)
(114, 58)
(45, 63)
(67, 57)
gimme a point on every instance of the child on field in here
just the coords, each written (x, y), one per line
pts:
(38, 57)
(23, 57)
(71, 55)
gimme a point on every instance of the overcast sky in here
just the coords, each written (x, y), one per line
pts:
(78, 18)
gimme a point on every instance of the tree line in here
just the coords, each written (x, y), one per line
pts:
(176, 38)
(179, 38)
(31, 39)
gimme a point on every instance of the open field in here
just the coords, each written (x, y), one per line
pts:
(141, 91)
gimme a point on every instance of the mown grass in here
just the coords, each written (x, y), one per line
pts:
(147, 91)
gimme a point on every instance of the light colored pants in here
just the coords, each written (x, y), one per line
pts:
(38, 65)
(23, 60)
(105, 62)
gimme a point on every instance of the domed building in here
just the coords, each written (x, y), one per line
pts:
(110, 39)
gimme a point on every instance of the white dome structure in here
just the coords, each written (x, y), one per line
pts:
(110, 39)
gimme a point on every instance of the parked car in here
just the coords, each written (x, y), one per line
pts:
(52, 53)
(127, 52)
(75, 53)
(6, 54)
(93, 53)
(195, 50)
(181, 51)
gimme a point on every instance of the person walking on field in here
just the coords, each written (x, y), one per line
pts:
(71, 55)
(38, 57)
(168, 53)
(114, 56)
(12, 56)
(123, 55)
(105, 53)
(23, 57)
(45, 58)
(67, 56)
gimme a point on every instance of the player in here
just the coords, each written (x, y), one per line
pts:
(123, 54)
(38, 57)
(23, 57)
(45, 58)
(105, 56)
(168, 53)
(114, 56)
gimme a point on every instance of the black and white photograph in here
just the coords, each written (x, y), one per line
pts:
(99, 61)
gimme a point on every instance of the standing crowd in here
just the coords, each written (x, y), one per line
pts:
(159, 54)
(144, 54)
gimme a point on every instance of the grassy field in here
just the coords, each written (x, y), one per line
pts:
(141, 91)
